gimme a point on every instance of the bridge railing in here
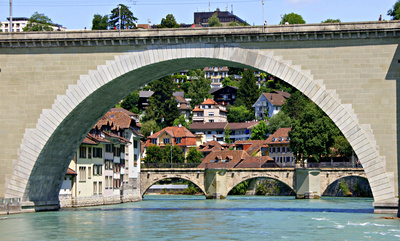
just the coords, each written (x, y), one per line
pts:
(333, 165)
(169, 165)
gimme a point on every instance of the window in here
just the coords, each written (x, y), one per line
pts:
(209, 132)
(117, 151)
(135, 143)
(166, 140)
(82, 152)
(82, 174)
(100, 188)
(211, 114)
(220, 132)
(135, 160)
(89, 172)
(211, 120)
(94, 188)
(108, 148)
(178, 140)
(117, 183)
(97, 152)
(199, 114)
(97, 170)
(154, 141)
(89, 152)
(108, 164)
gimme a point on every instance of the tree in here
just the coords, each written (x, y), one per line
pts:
(293, 107)
(259, 131)
(194, 156)
(153, 154)
(213, 21)
(342, 147)
(100, 22)
(227, 136)
(162, 104)
(127, 18)
(395, 11)
(313, 135)
(292, 18)
(198, 91)
(168, 22)
(148, 127)
(177, 154)
(227, 81)
(238, 114)
(181, 120)
(280, 120)
(248, 91)
(131, 102)
(332, 21)
(39, 22)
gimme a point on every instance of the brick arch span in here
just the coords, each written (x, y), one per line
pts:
(47, 149)
(147, 182)
(335, 178)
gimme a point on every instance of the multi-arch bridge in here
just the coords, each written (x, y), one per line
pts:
(56, 85)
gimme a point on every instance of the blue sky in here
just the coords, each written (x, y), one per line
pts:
(77, 14)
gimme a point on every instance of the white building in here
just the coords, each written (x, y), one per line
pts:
(210, 111)
(18, 23)
(269, 104)
(216, 74)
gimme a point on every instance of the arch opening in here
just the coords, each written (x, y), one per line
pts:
(349, 186)
(265, 186)
(183, 186)
(46, 150)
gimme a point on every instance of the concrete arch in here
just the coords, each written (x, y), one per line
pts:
(330, 181)
(289, 182)
(147, 185)
(47, 149)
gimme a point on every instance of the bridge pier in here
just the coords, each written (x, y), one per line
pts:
(215, 183)
(308, 183)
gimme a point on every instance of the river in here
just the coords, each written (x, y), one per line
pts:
(170, 217)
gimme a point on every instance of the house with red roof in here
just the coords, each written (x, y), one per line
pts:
(235, 159)
(279, 147)
(175, 136)
(269, 104)
(209, 111)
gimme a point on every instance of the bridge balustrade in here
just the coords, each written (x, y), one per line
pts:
(333, 165)
(169, 165)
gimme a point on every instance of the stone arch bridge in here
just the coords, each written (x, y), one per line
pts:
(55, 85)
(217, 183)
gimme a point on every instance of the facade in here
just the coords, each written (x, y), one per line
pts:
(175, 136)
(209, 111)
(184, 107)
(224, 95)
(279, 147)
(224, 17)
(216, 74)
(253, 147)
(18, 23)
(269, 104)
(214, 131)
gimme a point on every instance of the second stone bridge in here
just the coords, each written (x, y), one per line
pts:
(217, 183)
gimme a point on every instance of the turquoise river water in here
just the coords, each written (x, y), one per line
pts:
(162, 217)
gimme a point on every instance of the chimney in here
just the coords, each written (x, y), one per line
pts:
(180, 125)
(271, 97)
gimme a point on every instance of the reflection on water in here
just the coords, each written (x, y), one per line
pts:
(193, 217)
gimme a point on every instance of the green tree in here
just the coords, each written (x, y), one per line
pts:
(168, 22)
(293, 107)
(238, 114)
(280, 120)
(194, 156)
(248, 91)
(395, 11)
(127, 18)
(162, 104)
(153, 154)
(100, 22)
(213, 21)
(39, 22)
(332, 21)
(342, 147)
(181, 120)
(131, 102)
(313, 135)
(292, 18)
(259, 132)
(185, 86)
(148, 127)
(177, 154)
(227, 81)
(199, 90)
(227, 135)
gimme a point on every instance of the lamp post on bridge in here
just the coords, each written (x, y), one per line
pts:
(119, 8)
(263, 24)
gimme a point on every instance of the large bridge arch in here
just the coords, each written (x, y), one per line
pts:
(332, 176)
(47, 148)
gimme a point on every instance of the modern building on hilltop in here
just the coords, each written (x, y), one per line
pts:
(225, 17)
(18, 23)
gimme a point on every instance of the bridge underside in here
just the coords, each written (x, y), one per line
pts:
(53, 92)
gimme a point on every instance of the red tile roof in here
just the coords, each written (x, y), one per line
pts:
(124, 111)
(210, 146)
(279, 137)
(226, 159)
(285, 94)
(255, 161)
(71, 172)
(120, 138)
(243, 125)
(275, 99)
(209, 102)
(188, 139)
(119, 118)
(253, 145)
(223, 68)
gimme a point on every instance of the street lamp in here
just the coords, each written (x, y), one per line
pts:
(119, 8)
(263, 16)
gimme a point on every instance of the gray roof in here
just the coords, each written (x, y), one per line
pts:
(145, 94)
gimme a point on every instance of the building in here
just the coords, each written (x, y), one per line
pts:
(209, 111)
(225, 17)
(223, 159)
(224, 95)
(212, 146)
(67, 184)
(269, 104)
(214, 131)
(253, 147)
(279, 147)
(145, 95)
(175, 136)
(216, 74)
(184, 107)
(18, 23)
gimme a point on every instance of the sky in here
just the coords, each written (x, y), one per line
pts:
(78, 14)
